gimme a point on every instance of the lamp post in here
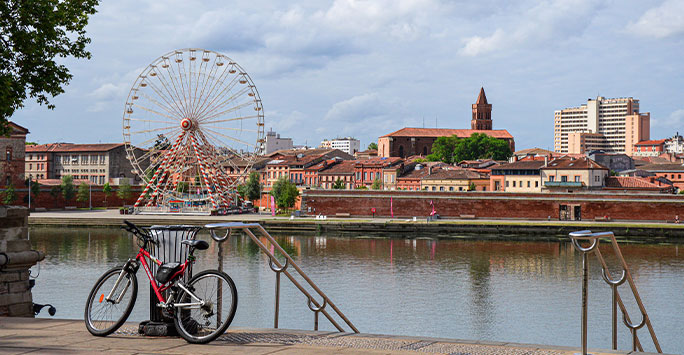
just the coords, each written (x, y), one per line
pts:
(90, 194)
(29, 193)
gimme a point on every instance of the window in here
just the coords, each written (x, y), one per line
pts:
(513, 183)
(528, 183)
(441, 188)
(365, 175)
(564, 178)
(451, 188)
(371, 175)
(536, 184)
(506, 183)
(577, 178)
(552, 178)
(30, 166)
(460, 188)
(102, 159)
(8, 180)
(433, 188)
(8, 154)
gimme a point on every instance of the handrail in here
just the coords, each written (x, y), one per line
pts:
(587, 235)
(278, 267)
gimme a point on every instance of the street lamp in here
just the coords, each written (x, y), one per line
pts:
(90, 194)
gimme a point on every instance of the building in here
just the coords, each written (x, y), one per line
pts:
(348, 145)
(611, 125)
(342, 170)
(418, 141)
(369, 170)
(519, 176)
(274, 142)
(613, 161)
(450, 180)
(97, 163)
(567, 174)
(675, 145)
(671, 172)
(12, 169)
(650, 148)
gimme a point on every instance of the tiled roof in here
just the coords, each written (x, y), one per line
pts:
(629, 182)
(445, 132)
(19, 129)
(415, 174)
(71, 147)
(535, 151)
(343, 167)
(572, 164)
(521, 165)
(663, 167)
(384, 161)
(652, 142)
(454, 174)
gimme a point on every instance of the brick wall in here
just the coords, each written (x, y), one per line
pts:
(16, 257)
(494, 205)
(45, 200)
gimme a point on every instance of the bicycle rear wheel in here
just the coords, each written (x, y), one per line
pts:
(104, 316)
(202, 324)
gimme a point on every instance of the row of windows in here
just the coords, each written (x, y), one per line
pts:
(84, 159)
(38, 156)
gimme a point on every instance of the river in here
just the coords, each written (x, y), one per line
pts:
(525, 292)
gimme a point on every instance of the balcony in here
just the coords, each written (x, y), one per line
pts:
(562, 184)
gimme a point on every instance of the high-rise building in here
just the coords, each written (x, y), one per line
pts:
(274, 142)
(611, 125)
(348, 145)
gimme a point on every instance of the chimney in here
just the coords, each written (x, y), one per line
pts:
(429, 170)
(546, 160)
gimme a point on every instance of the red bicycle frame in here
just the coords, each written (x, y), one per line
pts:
(158, 289)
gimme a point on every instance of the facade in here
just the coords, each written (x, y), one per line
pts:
(671, 172)
(613, 161)
(343, 170)
(12, 170)
(418, 141)
(651, 148)
(348, 145)
(97, 163)
(612, 125)
(675, 145)
(449, 180)
(566, 174)
(367, 171)
(274, 142)
(410, 180)
(519, 176)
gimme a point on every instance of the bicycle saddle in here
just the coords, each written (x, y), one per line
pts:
(197, 244)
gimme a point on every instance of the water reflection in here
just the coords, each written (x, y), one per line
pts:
(506, 291)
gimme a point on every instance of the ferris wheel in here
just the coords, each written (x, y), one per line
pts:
(193, 125)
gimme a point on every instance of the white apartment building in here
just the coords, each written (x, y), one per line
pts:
(274, 142)
(348, 145)
(612, 125)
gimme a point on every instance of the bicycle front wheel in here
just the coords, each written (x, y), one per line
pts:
(206, 313)
(110, 302)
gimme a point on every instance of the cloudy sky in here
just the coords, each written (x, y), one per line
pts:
(367, 68)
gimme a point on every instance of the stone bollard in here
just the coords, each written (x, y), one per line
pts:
(16, 258)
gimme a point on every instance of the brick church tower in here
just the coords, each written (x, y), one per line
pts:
(482, 113)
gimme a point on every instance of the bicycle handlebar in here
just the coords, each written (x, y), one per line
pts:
(141, 234)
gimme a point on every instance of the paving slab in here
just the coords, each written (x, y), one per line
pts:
(55, 336)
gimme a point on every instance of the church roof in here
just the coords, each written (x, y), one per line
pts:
(444, 132)
(481, 98)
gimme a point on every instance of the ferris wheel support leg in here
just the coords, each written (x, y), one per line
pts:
(218, 176)
(159, 169)
(203, 171)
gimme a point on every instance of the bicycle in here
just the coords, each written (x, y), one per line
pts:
(202, 308)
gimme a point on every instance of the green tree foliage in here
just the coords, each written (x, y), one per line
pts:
(285, 192)
(361, 187)
(124, 191)
(182, 186)
(242, 190)
(443, 149)
(253, 187)
(106, 190)
(338, 184)
(373, 146)
(55, 192)
(478, 146)
(67, 187)
(9, 196)
(83, 193)
(35, 189)
(471, 187)
(377, 185)
(33, 34)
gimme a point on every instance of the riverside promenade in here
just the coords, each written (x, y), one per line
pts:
(56, 336)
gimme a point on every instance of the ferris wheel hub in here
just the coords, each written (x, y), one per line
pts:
(188, 124)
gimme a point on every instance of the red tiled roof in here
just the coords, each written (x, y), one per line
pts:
(343, 167)
(453, 174)
(651, 142)
(71, 147)
(629, 182)
(445, 132)
(535, 151)
(527, 164)
(384, 161)
(656, 168)
(573, 164)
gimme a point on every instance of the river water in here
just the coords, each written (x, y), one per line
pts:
(526, 292)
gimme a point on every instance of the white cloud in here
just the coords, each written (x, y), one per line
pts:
(661, 21)
(674, 120)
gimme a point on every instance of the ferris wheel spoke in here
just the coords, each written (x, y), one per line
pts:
(168, 107)
(179, 98)
(227, 101)
(212, 72)
(213, 95)
(154, 130)
(232, 129)
(232, 109)
(175, 120)
(232, 119)
(170, 134)
(218, 142)
(198, 79)
(181, 74)
(170, 100)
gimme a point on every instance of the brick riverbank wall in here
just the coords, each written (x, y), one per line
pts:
(98, 198)
(656, 207)
(16, 257)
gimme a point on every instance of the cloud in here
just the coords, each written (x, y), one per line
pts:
(674, 120)
(546, 21)
(661, 21)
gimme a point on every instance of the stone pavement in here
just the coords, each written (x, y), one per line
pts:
(55, 336)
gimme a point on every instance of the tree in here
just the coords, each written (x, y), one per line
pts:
(443, 149)
(55, 192)
(182, 186)
(106, 190)
(373, 146)
(33, 34)
(361, 187)
(67, 187)
(338, 184)
(253, 187)
(242, 190)
(124, 191)
(377, 185)
(9, 196)
(34, 187)
(83, 193)
(471, 187)
(285, 192)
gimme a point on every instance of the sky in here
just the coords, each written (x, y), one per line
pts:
(327, 69)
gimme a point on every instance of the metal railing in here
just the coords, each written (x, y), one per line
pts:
(280, 268)
(594, 239)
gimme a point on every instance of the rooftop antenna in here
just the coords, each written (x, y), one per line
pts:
(423, 121)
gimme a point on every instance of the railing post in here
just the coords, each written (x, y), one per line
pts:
(277, 271)
(586, 235)
(613, 285)
(316, 310)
